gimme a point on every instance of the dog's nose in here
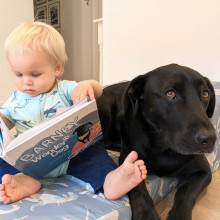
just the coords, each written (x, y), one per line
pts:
(205, 138)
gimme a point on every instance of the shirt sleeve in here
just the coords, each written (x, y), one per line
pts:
(8, 108)
(67, 87)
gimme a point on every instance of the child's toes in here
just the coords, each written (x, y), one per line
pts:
(2, 193)
(2, 187)
(139, 163)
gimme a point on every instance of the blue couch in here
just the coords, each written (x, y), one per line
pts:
(69, 198)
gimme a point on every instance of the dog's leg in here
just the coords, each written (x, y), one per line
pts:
(187, 194)
(142, 204)
(106, 104)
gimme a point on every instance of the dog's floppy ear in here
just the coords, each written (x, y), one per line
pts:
(211, 106)
(133, 93)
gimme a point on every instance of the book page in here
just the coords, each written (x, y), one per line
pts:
(5, 136)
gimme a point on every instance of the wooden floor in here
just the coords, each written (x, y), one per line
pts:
(207, 205)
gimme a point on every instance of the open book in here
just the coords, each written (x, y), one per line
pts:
(42, 148)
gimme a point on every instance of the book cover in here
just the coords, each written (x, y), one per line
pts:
(42, 148)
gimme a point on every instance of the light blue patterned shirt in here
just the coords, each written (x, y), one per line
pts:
(25, 111)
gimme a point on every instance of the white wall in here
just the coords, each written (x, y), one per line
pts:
(12, 13)
(80, 35)
(139, 36)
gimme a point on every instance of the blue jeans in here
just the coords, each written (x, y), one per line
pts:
(92, 165)
(6, 168)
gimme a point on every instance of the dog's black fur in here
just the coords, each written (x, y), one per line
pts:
(164, 116)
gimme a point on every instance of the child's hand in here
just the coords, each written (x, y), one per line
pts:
(83, 89)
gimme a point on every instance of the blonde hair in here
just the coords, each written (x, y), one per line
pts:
(37, 37)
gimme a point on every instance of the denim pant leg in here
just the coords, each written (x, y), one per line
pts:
(6, 168)
(92, 165)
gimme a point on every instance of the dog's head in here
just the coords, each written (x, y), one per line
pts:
(83, 129)
(173, 105)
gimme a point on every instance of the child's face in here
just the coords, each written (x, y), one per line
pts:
(34, 73)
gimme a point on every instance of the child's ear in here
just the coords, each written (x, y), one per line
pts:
(58, 69)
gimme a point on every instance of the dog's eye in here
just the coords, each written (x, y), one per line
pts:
(171, 94)
(205, 94)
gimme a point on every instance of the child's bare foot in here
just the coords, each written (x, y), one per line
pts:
(16, 187)
(124, 178)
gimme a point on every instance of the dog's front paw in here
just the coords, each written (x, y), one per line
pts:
(142, 205)
(175, 215)
(144, 215)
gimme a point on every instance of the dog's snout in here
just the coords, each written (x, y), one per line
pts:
(205, 138)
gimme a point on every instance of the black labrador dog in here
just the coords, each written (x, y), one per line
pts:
(164, 116)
